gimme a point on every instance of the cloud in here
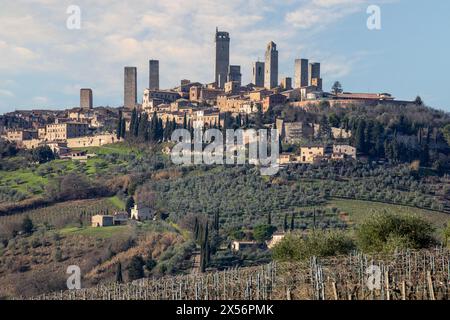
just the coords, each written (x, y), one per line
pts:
(6, 93)
(40, 100)
(179, 33)
(320, 13)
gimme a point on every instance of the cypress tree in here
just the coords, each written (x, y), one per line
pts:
(123, 128)
(143, 127)
(133, 122)
(216, 221)
(185, 125)
(119, 278)
(292, 221)
(119, 126)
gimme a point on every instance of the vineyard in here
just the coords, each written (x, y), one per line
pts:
(407, 275)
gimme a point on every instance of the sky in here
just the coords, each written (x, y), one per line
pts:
(43, 63)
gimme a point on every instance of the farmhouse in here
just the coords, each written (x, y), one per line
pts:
(120, 218)
(141, 212)
(102, 221)
(276, 238)
(242, 245)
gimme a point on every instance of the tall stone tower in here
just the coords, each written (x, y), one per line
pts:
(271, 66)
(314, 72)
(86, 98)
(234, 74)
(153, 82)
(258, 74)
(130, 87)
(301, 73)
(222, 57)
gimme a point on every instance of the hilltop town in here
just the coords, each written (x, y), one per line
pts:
(95, 187)
(196, 105)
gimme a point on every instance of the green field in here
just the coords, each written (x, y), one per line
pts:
(118, 203)
(105, 232)
(359, 210)
(33, 179)
(117, 148)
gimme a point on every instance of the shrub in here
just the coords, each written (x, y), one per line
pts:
(27, 226)
(263, 232)
(387, 232)
(296, 247)
(136, 268)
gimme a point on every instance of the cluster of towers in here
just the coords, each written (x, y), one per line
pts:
(265, 74)
(130, 83)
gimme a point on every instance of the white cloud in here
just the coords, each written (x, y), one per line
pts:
(179, 33)
(40, 100)
(6, 93)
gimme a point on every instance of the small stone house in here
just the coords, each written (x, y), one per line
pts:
(276, 238)
(120, 218)
(242, 245)
(141, 213)
(102, 221)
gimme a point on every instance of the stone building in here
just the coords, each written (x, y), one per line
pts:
(346, 150)
(272, 101)
(86, 100)
(222, 61)
(271, 66)
(234, 104)
(291, 132)
(130, 87)
(21, 135)
(313, 72)
(243, 245)
(234, 74)
(140, 212)
(102, 221)
(317, 82)
(200, 94)
(301, 73)
(232, 87)
(286, 83)
(259, 95)
(153, 81)
(311, 154)
(67, 130)
(205, 118)
(165, 95)
(258, 74)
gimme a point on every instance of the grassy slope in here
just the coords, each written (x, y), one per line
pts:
(104, 233)
(26, 179)
(359, 210)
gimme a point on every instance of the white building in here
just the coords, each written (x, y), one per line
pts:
(141, 213)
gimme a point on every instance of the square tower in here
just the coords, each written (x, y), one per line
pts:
(222, 40)
(86, 98)
(258, 74)
(271, 66)
(153, 83)
(234, 74)
(130, 87)
(301, 73)
(314, 72)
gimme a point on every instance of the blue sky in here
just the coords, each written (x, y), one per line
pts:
(44, 64)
